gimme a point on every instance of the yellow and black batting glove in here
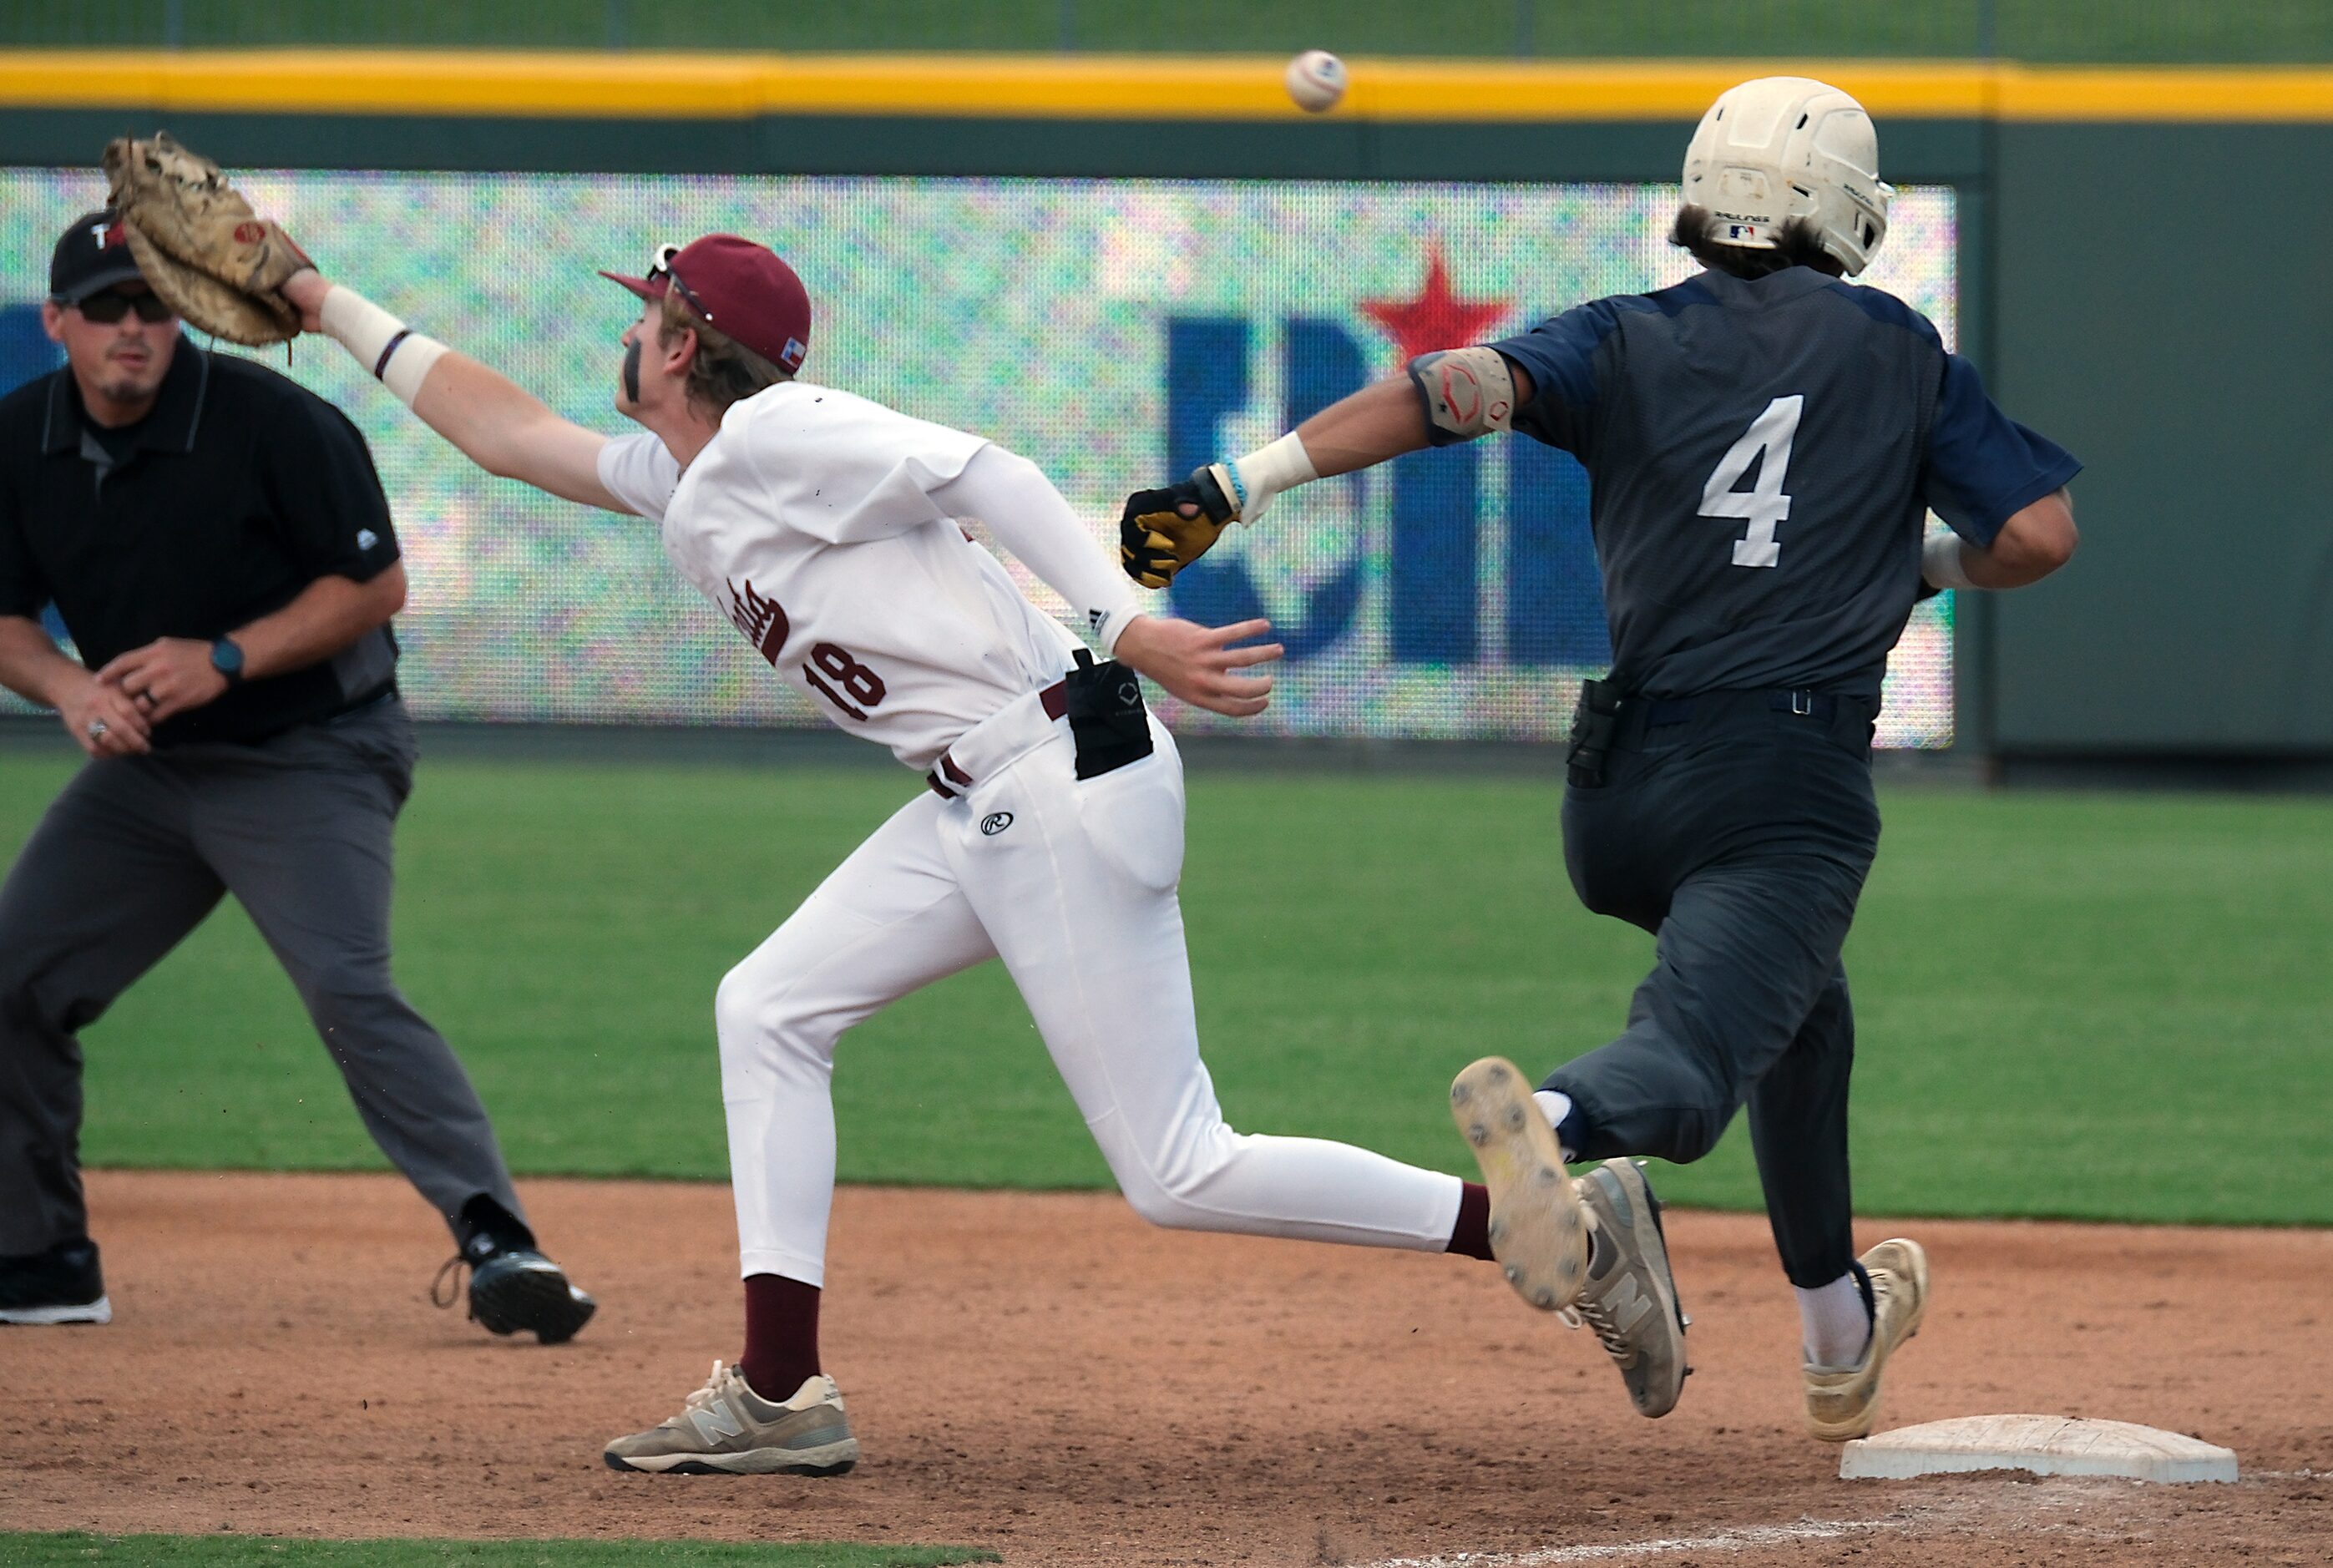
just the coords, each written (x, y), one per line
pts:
(1155, 539)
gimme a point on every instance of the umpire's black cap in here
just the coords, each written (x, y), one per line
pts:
(92, 254)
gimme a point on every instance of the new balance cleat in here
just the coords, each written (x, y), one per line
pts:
(728, 1429)
(1630, 1297)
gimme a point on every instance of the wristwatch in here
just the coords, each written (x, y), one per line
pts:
(227, 658)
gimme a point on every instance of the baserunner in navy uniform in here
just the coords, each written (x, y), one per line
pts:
(1765, 442)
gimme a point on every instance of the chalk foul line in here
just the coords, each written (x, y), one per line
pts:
(1740, 1540)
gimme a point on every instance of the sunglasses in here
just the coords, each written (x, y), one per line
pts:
(661, 267)
(107, 308)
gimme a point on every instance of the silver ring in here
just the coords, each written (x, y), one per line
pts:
(97, 728)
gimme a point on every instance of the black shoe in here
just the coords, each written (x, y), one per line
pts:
(512, 1285)
(61, 1286)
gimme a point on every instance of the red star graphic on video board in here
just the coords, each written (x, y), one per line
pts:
(1437, 318)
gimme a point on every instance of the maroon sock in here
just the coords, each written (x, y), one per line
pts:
(781, 1335)
(1470, 1236)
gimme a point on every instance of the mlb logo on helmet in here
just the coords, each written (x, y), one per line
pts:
(740, 289)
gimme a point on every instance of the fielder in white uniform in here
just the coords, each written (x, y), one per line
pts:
(824, 527)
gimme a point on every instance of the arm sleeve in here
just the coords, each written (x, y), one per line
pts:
(331, 513)
(1559, 356)
(1982, 467)
(1029, 518)
(640, 472)
(22, 589)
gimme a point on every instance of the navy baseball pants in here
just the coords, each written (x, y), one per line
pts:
(1739, 832)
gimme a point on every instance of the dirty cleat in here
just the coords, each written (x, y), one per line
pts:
(1630, 1298)
(1843, 1401)
(728, 1429)
(61, 1286)
(1539, 1231)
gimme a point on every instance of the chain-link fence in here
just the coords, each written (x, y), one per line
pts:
(2104, 30)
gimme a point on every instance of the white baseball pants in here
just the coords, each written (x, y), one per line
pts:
(1073, 883)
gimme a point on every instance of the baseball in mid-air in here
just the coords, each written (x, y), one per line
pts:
(1316, 80)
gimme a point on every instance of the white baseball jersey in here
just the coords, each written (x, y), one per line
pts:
(820, 523)
(823, 525)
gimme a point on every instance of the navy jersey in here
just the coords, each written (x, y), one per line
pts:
(1762, 456)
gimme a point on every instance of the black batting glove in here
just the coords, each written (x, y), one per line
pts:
(1162, 531)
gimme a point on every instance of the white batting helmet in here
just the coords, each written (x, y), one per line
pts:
(1789, 147)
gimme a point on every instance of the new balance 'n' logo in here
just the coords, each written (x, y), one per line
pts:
(717, 1420)
(1627, 1303)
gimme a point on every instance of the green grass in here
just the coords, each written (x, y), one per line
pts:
(2110, 1006)
(32, 1550)
(2041, 30)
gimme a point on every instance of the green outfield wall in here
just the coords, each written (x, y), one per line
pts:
(2199, 615)
(2119, 281)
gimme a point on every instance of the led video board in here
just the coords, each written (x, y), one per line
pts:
(1114, 332)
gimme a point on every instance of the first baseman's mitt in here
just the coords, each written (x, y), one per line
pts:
(1156, 541)
(200, 244)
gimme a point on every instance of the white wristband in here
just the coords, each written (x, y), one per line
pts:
(1940, 560)
(397, 357)
(1269, 470)
(410, 361)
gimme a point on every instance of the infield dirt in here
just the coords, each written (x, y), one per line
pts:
(1045, 1375)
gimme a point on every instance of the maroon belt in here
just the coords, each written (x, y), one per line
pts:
(949, 781)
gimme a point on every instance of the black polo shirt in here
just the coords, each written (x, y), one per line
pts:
(236, 492)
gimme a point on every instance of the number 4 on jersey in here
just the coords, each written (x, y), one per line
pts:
(1767, 443)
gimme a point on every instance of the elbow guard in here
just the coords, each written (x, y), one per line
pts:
(1468, 392)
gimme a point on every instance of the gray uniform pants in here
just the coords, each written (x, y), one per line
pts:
(128, 861)
(1740, 835)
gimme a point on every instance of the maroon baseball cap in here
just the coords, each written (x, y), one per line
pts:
(738, 286)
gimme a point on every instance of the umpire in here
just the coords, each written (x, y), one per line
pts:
(216, 540)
